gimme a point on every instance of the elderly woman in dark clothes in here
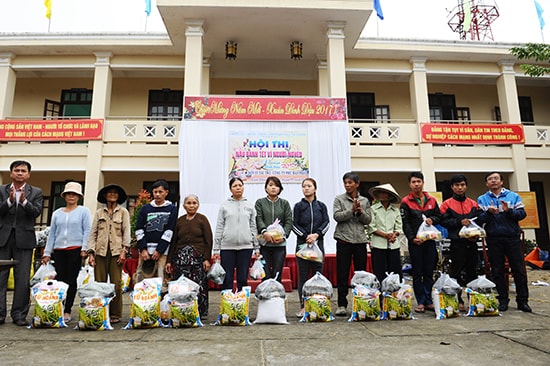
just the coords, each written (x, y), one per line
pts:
(191, 249)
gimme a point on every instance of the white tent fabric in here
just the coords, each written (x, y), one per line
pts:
(203, 155)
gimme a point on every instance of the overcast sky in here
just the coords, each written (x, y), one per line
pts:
(423, 19)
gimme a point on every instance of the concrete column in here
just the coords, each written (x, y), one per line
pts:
(418, 87)
(101, 102)
(336, 60)
(7, 84)
(322, 77)
(509, 109)
(205, 89)
(193, 57)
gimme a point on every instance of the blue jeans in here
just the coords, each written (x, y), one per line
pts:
(239, 259)
(423, 260)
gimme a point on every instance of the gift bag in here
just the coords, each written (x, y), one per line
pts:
(257, 271)
(472, 231)
(366, 304)
(364, 278)
(428, 232)
(310, 252)
(216, 273)
(93, 311)
(234, 307)
(49, 298)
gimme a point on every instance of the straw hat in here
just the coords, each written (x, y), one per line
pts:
(388, 188)
(72, 187)
(122, 196)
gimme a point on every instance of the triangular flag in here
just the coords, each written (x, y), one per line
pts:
(378, 9)
(48, 4)
(467, 16)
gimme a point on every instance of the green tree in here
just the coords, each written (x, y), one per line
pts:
(538, 52)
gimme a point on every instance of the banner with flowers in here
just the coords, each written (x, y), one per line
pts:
(256, 155)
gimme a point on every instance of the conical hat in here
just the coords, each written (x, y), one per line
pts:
(388, 188)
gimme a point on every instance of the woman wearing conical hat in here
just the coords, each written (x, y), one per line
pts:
(385, 227)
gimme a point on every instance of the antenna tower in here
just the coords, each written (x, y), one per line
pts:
(482, 16)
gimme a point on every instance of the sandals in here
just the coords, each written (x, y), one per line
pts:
(115, 320)
(300, 314)
(430, 307)
(419, 309)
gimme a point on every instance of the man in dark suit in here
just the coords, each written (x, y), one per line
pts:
(20, 205)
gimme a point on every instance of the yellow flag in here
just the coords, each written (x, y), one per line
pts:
(48, 4)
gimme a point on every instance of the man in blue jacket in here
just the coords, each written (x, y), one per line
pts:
(502, 211)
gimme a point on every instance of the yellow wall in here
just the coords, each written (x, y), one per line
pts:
(481, 99)
(131, 96)
(30, 94)
(296, 87)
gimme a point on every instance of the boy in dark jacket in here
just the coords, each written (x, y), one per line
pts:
(416, 204)
(457, 212)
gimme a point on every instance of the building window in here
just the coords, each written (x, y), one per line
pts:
(361, 106)
(446, 104)
(526, 110)
(165, 104)
(76, 102)
(382, 113)
(435, 114)
(463, 114)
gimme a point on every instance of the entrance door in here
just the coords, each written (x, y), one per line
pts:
(542, 234)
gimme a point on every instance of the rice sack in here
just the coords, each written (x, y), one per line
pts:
(93, 311)
(445, 293)
(181, 303)
(49, 305)
(234, 307)
(271, 298)
(317, 292)
(317, 309)
(482, 297)
(366, 304)
(145, 308)
(398, 305)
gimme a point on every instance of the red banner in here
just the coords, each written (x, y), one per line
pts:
(51, 130)
(466, 134)
(234, 108)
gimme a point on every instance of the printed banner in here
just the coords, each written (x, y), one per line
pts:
(256, 155)
(233, 108)
(488, 134)
(51, 130)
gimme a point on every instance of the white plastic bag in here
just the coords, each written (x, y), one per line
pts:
(216, 273)
(257, 271)
(310, 252)
(85, 276)
(428, 232)
(44, 273)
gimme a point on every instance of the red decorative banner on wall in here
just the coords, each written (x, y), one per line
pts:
(51, 130)
(487, 134)
(234, 108)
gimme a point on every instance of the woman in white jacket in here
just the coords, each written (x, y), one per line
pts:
(236, 235)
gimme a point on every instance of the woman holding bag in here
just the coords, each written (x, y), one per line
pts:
(68, 240)
(109, 239)
(310, 224)
(268, 210)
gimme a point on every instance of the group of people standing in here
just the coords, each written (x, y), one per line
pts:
(170, 246)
